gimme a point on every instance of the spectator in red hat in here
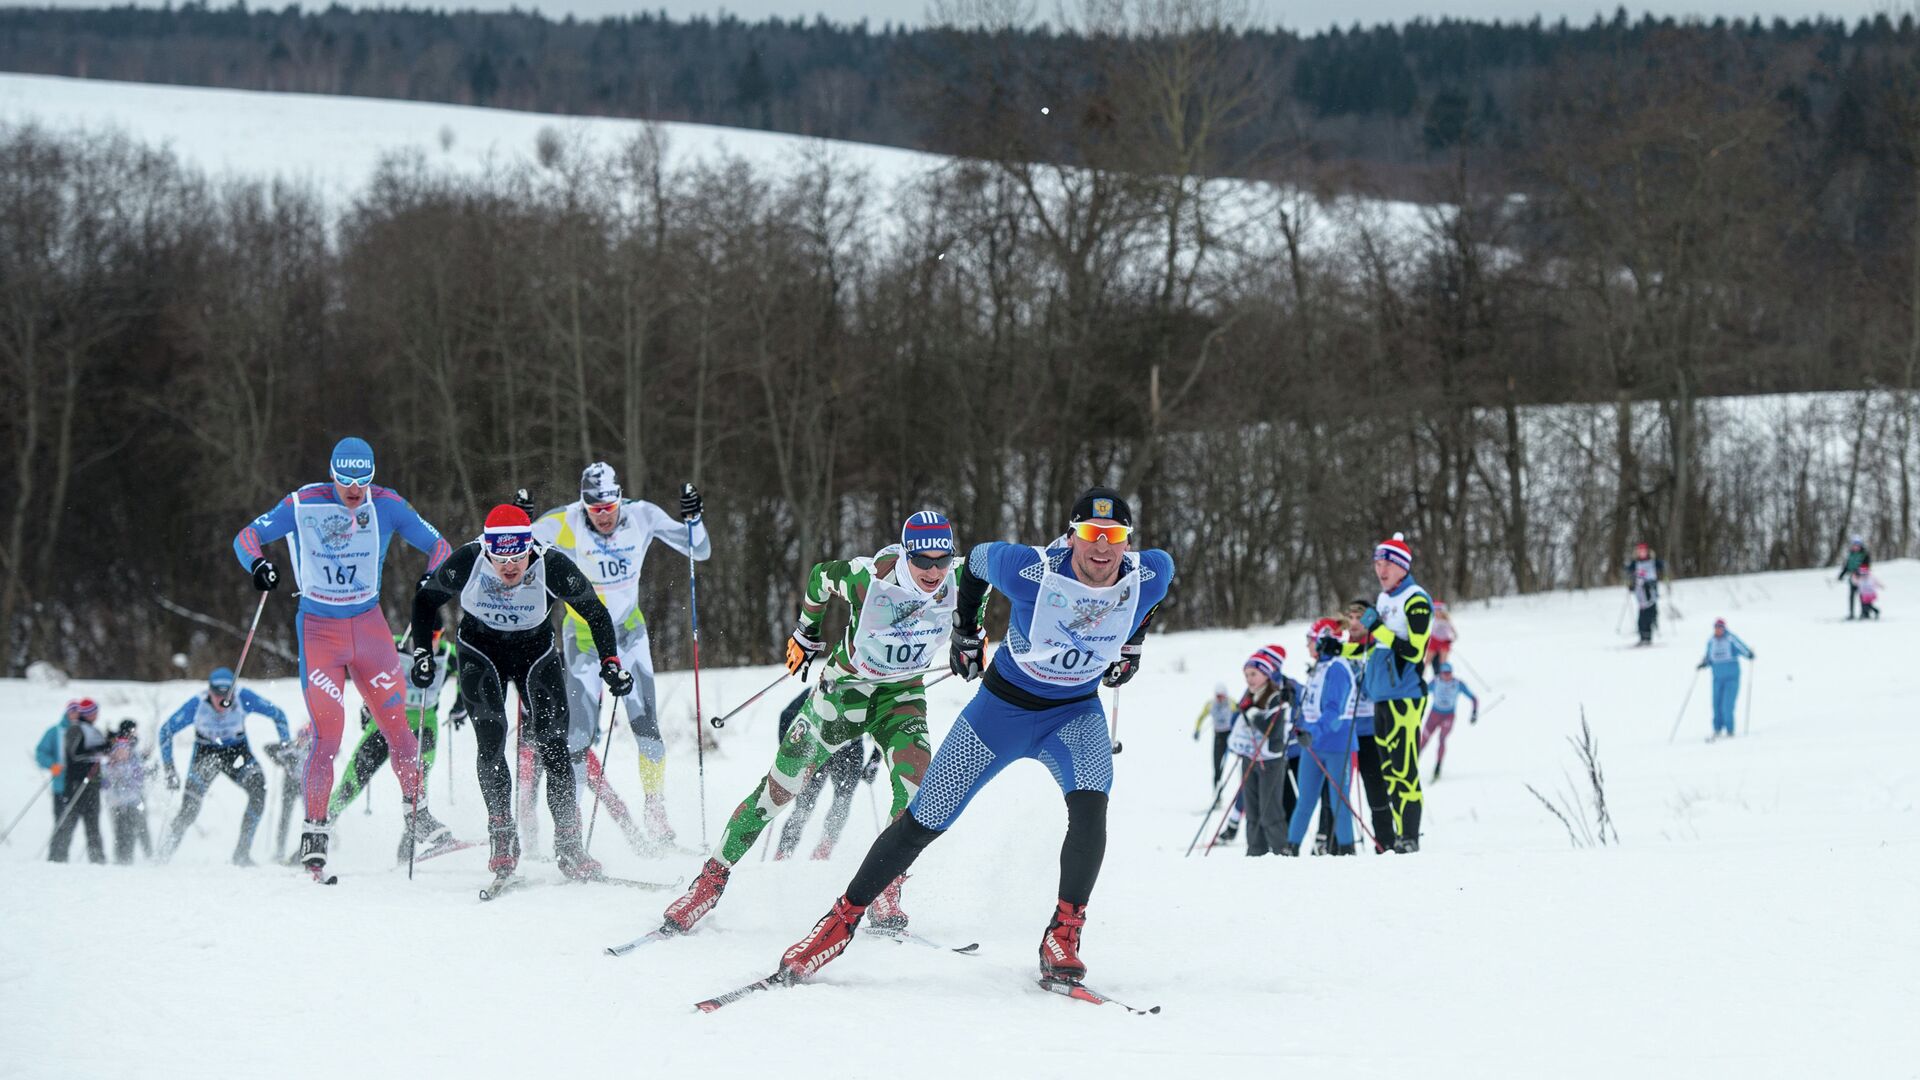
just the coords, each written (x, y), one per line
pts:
(1643, 581)
(85, 749)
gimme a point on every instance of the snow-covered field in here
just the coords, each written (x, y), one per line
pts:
(1756, 920)
(334, 144)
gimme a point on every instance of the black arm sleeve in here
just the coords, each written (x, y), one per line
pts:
(973, 593)
(567, 583)
(1411, 645)
(437, 588)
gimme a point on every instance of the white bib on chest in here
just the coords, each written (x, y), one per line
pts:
(503, 607)
(1077, 630)
(1393, 609)
(901, 627)
(339, 559)
(217, 726)
(611, 562)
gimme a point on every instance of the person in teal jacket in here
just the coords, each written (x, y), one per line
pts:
(1724, 650)
(51, 753)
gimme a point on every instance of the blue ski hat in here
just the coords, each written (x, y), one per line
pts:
(928, 530)
(352, 458)
(221, 680)
(1445, 668)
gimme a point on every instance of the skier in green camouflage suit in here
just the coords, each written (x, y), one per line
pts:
(423, 718)
(900, 607)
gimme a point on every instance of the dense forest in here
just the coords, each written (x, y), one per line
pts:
(1382, 95)
(1626, 224)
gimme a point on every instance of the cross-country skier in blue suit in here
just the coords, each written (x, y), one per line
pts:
(219, 745)
(1724, 650)
(1081, 607)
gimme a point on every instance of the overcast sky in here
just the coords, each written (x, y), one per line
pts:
(1301, 15)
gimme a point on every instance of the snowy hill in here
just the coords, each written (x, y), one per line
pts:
(333, 143)
(1755, 921)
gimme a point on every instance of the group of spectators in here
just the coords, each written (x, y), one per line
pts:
(86, 767)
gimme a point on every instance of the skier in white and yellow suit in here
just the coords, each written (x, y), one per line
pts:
(608, 535)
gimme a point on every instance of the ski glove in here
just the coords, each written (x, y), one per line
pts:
(1369, 618)
(422, 673)
(615, 677)
(1124, 668)
(265, 577)
(872, 768)
(458, 715)
(173, 778)
(1701, 666)
(966, 649)
(1475, 718)
(801, 651)
(690, 502)
(523, 501)
(366, 717)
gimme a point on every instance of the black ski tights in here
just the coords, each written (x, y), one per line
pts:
(490, 663)
(1080, 854)
(1375, 783)
(1085, 846)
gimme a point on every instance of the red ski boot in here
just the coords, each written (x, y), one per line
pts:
(1060, 945)
(701, 897)
(885, 914)
(830, 937)
(577, 865)
(505, 843)
(658, 831)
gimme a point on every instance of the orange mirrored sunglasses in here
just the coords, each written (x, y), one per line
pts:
(1112, 534)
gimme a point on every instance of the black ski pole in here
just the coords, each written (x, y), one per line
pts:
(44, 785)
(1225, 775)
(594, 816)
(721, 721)
(1307, 745)
(72, 805)
(1684, 702)
(245, 648)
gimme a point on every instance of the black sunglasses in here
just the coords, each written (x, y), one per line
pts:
(931, 562)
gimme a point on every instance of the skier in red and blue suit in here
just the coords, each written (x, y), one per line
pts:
(337, 534)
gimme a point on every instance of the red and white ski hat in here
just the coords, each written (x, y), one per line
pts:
(1394, 551)
(85, 706)
(1324, 627)
(509, 533)
(1267, 659)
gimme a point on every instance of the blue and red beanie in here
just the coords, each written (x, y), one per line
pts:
(1394, 551)
(1268, 659)
(928, 530)
(508, 532)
